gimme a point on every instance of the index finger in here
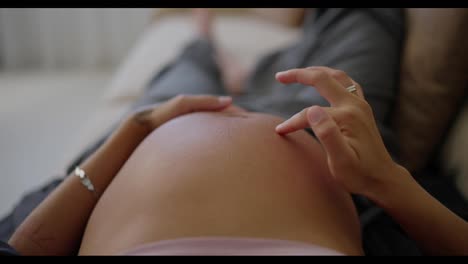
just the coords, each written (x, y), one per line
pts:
(184, 104)
(326, 85)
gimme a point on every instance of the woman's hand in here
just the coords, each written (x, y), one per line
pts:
(357, 157)
(153, 116)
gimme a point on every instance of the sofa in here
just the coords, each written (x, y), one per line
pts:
(431, 118)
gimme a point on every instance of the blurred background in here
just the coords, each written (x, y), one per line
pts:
(55, 65)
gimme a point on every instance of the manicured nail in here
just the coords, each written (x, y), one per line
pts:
(223, 100)
(315, 114)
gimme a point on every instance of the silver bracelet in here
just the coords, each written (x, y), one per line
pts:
(85, 180)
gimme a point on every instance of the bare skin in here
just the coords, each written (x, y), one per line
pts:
(278, 188)
(223, 174)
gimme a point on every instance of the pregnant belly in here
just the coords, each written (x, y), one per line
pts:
(223, 174)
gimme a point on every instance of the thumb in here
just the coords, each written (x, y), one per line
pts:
(327, 132)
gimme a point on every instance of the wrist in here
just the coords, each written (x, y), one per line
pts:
(143, 119)
(392, 186)
(111, 155)
(136, 125)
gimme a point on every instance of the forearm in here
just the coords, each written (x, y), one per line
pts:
(56, 226)
(436, 229)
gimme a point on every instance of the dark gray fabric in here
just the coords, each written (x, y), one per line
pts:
(23, 208)
(194, 72)
(7, 250)
(346, 39)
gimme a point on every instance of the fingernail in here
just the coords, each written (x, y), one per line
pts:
(315, 114)
(279, 74)
(224, 99)
(279, 127)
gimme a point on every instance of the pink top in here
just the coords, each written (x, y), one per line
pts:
(229, 246)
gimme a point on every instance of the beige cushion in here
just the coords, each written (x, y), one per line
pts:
(455, 152)
(292, 17)
(245, 36)
(433, 81)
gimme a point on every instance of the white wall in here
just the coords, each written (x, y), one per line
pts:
(58, 38)
(52, 84)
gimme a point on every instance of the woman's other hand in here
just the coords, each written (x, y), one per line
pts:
(153, 116)
(356, 155)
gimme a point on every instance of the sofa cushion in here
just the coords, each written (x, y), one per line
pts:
(434, 78)
(455, 152)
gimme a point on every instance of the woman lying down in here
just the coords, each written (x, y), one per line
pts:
(197, 175)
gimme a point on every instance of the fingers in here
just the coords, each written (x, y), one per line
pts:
(341, 76)
(183, 104)
(324, 83)
(234, 109)
(323, 78)
(299, 121)
(157, 114)
(324, 126)
(296, 122)
(328, 133)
